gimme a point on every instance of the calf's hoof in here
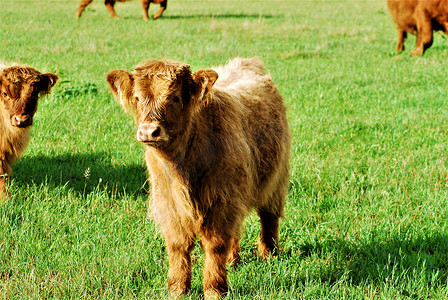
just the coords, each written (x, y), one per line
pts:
(4, 197)
(266, 250)
(174, 295)
(416, 52)
(157, 15)
(213, 294)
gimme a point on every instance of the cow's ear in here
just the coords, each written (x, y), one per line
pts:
(203, 82)
(122, 85)
(46, 82)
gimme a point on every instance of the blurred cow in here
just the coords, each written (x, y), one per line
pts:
(217, 145)
(420, 17)
(110, 7)
(20, 88)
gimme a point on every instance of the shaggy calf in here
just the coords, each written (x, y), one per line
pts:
(110, 7)
(20, 88)
(215, 149)
(419, 17)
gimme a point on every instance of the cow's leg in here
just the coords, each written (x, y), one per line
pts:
(401, 34)
(268, 240)
(81, 7)
(163, 6)
(145, 6)
(215, 244)
(110, 8)
(179, 255)
(424, 32)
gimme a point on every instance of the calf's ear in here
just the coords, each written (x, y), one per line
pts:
(203, 82)
(122, 84)
(46, 82)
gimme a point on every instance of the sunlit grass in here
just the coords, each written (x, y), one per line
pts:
(366, 215)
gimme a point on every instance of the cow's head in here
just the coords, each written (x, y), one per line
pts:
(20, 88)
(163, 95)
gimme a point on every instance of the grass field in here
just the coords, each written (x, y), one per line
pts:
(367, 212)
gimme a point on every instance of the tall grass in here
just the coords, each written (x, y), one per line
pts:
(366, 215)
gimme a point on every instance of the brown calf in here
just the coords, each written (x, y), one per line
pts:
(215, 149)
(20, 88)
(420, 17)
(110, 7)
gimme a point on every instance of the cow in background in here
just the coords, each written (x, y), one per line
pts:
(420, 17)
(20, 88)
(217, 146)
(110, 7)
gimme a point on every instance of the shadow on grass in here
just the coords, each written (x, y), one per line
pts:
(395, 261)
(209, 16)
(221, 16)
(411, 267)
(80, 172)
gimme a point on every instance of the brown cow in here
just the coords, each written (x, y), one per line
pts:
(20, 88)
(110, 7)
(419, 17)
(215, 149)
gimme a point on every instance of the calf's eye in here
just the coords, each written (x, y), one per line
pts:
(176, 99)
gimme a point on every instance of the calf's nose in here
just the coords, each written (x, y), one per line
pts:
(149, 133)
(21, 120)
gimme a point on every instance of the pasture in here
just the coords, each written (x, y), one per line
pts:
(367, 211)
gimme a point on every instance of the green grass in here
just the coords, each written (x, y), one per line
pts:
(367, 212)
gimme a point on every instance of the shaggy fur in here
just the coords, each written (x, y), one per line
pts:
(20, 88)
(110, 7)
(420, 17)
(215, 149)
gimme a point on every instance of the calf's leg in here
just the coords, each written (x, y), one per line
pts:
(145, 6)
(401, 34)
(268, 240)
(234, 256)
(163, 6)
(179, 256)
(424, 32)
(3, 184)
(215, 245)
(81, 7)
(4, 171)
(270, 215)
(110, 8)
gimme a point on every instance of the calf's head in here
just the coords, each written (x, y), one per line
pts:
(163, 96)
(20, 88)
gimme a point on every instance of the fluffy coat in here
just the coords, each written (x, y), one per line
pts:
(20, 88)
(217, 146)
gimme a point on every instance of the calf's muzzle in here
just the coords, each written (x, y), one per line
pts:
(22, 120)
(150, 133)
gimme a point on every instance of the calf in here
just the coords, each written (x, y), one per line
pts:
(419, 17)
(110, 7)
(20, 88)
(215, 149)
